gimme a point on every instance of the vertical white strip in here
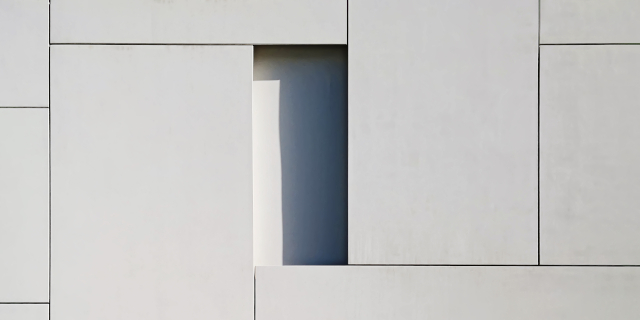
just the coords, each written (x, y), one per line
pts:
(267, 174)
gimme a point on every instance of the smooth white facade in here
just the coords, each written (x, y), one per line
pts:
(443, 132)
(151, 182)
(300, 155)
(589, 155)
(589, 21)
(24, 53)
(447, 293)
(200, 21)
(182, 157)
(24, 205)
(24, 312)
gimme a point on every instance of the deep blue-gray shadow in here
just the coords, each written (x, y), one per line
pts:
(313, 141)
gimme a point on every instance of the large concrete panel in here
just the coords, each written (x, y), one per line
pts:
(589, 155)
(447, 293)
(151, 182)
(200, 21)
(24, 205)
(589, 21)
(24, 53)
(24, 311)
(443, 132)
(300, 155)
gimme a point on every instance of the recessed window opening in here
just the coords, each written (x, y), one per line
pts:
(300, 155)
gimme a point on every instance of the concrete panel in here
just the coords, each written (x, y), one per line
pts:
(24, 53)
(24, 312)
(200, 21)
(300, 155)
(151, 182)
(24, 205)
(589, 21)
(443, 132)
(589, 156)
(447, 293)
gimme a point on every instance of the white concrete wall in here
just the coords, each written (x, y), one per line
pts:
(589, 21)
(24, 62)
(151, 182)
(498, 133)
(200, 21)
(443, 132)
(300, 155)
(589, 155)
(24, 312)
(24, 205)
(447, 293)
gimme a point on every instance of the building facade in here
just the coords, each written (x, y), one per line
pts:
(300, 159)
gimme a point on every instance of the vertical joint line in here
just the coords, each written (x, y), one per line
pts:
(49, 160)
(539, 28)
(538, 155)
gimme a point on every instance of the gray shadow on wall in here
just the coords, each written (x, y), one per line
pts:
(313, 146)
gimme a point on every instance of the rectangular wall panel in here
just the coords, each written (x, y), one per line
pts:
(589, 21)
(443, 132)
(200, 21)
(589, 155)
(24, 311)
(24, 53)
(151, 182)
(24, 205)
(447, 293)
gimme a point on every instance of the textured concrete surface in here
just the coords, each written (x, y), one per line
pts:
(589, 21)
(443, 132)
(589, 155)
(151, 182)
(24, 205)
(24, 312)
(491, 173)
(200, 21)
(24, 62)
(447, 293)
